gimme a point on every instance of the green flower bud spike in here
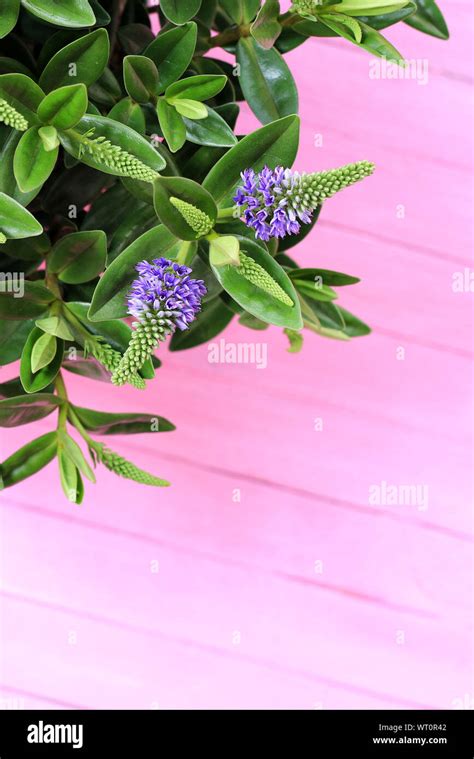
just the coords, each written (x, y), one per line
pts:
(115, 158)
(145, 338)
(197, 219)
(259, 277)
(11, 117)
(117, 464)
(111, 359)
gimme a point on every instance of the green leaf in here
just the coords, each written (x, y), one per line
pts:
(251, 322)
(12, 388)
(254, 299)
(109, 301)
(24, 409)
(272, 145)
(8, 183)
(224, 251)
(70, 478)
(140, 76)
(429, 19)
(79, 257)
(240, 11)
(32, 164)
(385, 20)
(33, 301)
(8, 16)
(212, 131)
(266, 81)
(371, 39)
(213, 319)
(344, 25)
(314, 289)
(34, 382)
(55, 325)
(172, 125)
(323, 276)
(23, 94)
(44, 351)
(135, 37)
(172, 52)
(49, 137)
(103, 423)
(16, 221)
(296, 340)
(64, 107)
(73, 13)
(82, 61)
(191, 109)
(165, 188)
(354, 327)
(13, 335)
(266, 28)
(28, 460)
(369, 7)
(130, 114)
(71, 449)
(180, 11)
(29, 249)
(200, 87)
(118, 134)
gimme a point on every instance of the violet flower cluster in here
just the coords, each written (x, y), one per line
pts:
(166, 288)
(276, 202)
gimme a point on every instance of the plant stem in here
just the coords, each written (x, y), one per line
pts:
(226, 213)
(63, 409)
(234, 33)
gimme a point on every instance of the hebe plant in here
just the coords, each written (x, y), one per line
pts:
(124, 190)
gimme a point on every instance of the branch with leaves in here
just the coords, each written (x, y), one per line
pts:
(125, 191)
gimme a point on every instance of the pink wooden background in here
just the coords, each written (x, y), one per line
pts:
(303, 594)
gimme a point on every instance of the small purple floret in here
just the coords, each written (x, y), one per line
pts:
(165, 286)
(264, 196)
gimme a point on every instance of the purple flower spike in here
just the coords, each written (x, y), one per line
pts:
(165, 288)
(276, 202)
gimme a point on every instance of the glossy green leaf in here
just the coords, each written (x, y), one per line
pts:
(118, 134)
(180, 11)
(371, 40)
(49, 137)
(11, 389)
(24, 409)
(34, 300)
(23, 94)
(201, 87)
(102, 423)
(79, 257)
(191, 109)
(43, 352)
(70, 478)
(172, 52)
(141, 78)
(212, 131)
(55, 325)
(35, 382)
(254, 299)
(429, 19)
(9, 10)
(134, 38)
(82, 61)
(385, 20)
(172, 125)
(64, 107)
(295, 339)
(29, 249)
(16, 221)
(346, 26)
(8, 183)
(32, 164)
(323, 276)
(166, 188)
(266, 81)
(13, 335)
(266, 28)
(272, 145)
(130, 114)
(240, 11)
(28, 460)
(369, 7)
(109, 301)
(72, 450)
(213, 319)
(224, 251)
(72, 13)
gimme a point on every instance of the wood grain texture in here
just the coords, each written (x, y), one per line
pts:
(297, 592)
